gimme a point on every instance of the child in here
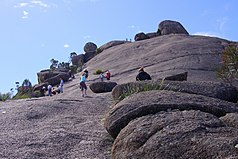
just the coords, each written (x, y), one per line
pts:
(108, 75)
(83, 84)
(101, 76)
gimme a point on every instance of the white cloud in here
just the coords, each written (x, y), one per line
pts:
(87, 37)
(221, 23)
(66, 45)
(206, 34)
(40, 4)
(25, 15)
(132, 26)
(20, 5)
(32, 3)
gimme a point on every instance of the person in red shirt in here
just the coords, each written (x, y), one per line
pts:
(108, 75)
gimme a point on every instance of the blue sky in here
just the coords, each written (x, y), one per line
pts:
(34, 31)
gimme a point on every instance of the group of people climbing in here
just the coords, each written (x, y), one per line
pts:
(142, 75)
(51, 90)
(107, 75)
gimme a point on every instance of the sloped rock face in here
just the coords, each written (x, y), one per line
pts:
(152, 102)
(171, 27)
(163, 56)
(211, 89)
(178, 134)
(102, 87)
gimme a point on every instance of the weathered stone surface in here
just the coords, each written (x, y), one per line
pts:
(162, 56)
(102, 87)
(90, 47)
(152, 35)
(140, 36)
(231, 119)
(48, 76)
(177, 77)
(112, 43)
(89, 55)
(151, 102)
(178, 134)
(171, 27)
(56, 79)
(39, 87)
(211, 89)
(78, 60)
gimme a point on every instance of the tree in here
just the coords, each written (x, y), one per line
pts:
(54, 63)
(72, 54)
(26, 83)
(228, 71)
(5, 96)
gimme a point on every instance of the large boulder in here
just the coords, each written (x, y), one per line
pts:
(90, 47)
(177, 77)
(152, 35)
(151, 102)
(171, 27)
(141, 36)
(39, 87)
(78, 60)
(178, 134)
(101, 87)
(211, 89)
(56, 79)
(52, 76)
(111, 44)
(88, 56)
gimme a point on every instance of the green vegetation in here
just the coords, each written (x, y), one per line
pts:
(228, 71)
(98, 71)
(136, 87)
(98, 51)
(73, 69)
(24, 91)
(5, 96)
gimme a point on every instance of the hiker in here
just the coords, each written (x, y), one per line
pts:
(101, 76)
(83, 85)
(142, 75)
(49, 90)
(86, 73)
(108, 75)
(61, 85)
(54, 91)
(42, 91)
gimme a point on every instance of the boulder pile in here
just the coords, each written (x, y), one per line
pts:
(179, 119)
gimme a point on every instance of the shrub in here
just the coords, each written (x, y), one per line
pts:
(228, 71)
(135, 88)
(98, 71)
(5, 96)
(98, 51)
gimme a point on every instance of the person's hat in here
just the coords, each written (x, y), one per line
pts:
(141, 69)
